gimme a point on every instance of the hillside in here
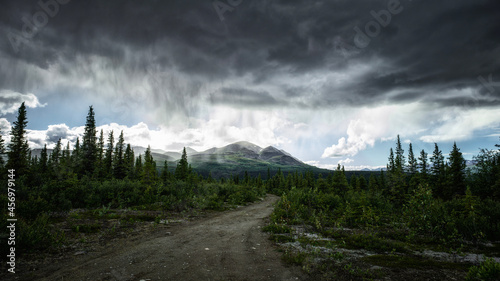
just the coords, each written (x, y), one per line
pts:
(236, 158)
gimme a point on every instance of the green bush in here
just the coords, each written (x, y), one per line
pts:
(37, 235)
(277, 228)
(489, 269)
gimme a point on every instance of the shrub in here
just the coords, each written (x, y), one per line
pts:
(37, 235)
(489, 269)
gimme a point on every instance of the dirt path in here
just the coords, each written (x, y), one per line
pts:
(228, 246)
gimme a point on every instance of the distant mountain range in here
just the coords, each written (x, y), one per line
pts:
(235, 158)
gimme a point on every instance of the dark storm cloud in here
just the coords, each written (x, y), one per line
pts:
(427, 48)
(56, 132)
(243, 97)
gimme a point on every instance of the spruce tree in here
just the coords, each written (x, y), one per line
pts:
(457, 171)
(89, 146)
(66, 161)
(108, 159)
(99, 164)
(18, 148)
(76, 157)
(55, 157)
(412, 162)
(150, 174)
(422, 165)
(182, 169)
(438, 171)
(165, 175)
(43, 160)
(118, 160)
(372, 183)
(340, 184)
(399, 161)
(396, 176)
(129, 162)
(391, 167)
(139, 172)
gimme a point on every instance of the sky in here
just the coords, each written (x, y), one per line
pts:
(331, 82)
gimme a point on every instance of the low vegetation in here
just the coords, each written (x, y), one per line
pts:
(438, 219)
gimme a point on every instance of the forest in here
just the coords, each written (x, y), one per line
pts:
(418, 202)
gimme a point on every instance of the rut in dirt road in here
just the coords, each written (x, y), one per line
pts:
(229, 246)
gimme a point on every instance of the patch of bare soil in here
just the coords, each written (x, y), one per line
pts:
(223, 246)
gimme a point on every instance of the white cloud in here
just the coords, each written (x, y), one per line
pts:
(346, 161)
(369, 125)
(461, 125)
(5, 126)
(10, 101)
(222, 127)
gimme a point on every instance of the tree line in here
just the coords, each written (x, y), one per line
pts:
(91, 158)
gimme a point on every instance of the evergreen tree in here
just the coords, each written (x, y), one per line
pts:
(340, 184)
(165, 175)
(55, 157)
(89, 146)
(66, 161)
(381, 180)
(76, 157)
(391, 166)
(99, 166)
(43, 160)
(373, 183)
(423, 165)
(118, 160)
(18, 148)
(108, 158)
(399, 161)
(457, 171)
(362, 182)
(182, 169)
(139, 172)
(412, 162)
(150, 174)
(129, 162)
(396, 176)
(437, 171)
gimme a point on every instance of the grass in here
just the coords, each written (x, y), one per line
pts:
(277, 228)
(374, 243)
(281, 238)
(405, 261)
(86, 228)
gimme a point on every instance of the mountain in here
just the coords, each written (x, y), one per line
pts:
(241, 157)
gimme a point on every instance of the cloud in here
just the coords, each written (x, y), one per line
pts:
(462, 125)
(61, 131)
(171, 63)
(243, 97)
(222, 127)
(10, 101)
(5, 128)
(369, 125)
(346, 161)
(292, 74)
(360, 135)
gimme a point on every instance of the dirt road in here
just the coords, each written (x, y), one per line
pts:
(227, 246)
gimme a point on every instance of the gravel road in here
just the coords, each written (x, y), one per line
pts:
(227, 246)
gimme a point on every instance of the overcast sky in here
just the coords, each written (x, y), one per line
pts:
(328, 81)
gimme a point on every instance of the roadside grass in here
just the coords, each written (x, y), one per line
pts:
(340, 245)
